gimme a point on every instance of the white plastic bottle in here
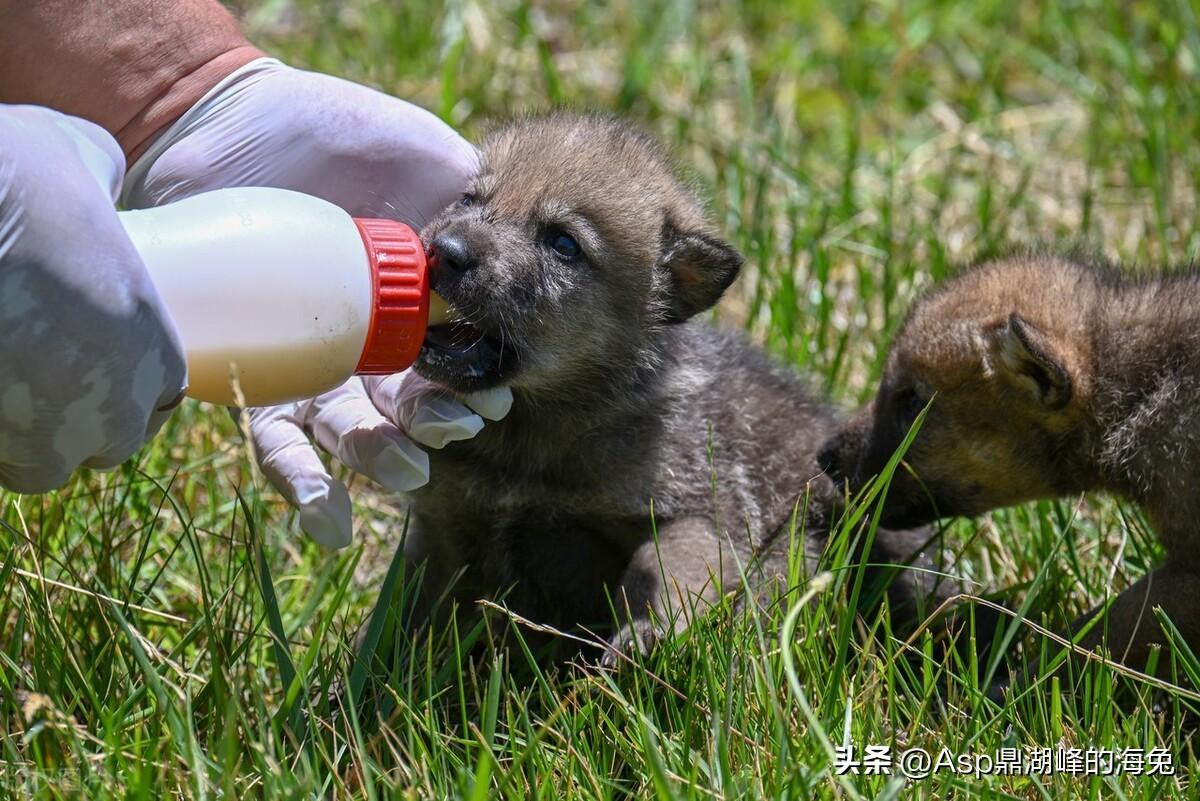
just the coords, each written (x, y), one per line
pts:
(283, 295)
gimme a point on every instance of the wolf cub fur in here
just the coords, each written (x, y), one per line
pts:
(577, 261)
(1047, 376)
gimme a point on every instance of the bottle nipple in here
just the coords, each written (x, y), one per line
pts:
(439, 310)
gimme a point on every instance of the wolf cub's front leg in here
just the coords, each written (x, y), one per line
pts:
(668, 581)
(1130, 628)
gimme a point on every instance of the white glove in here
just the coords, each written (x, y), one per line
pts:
(375, 156)
(369, 425)
(90, 363)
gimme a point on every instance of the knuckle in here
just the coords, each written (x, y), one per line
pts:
(115, 453)
(33, 482)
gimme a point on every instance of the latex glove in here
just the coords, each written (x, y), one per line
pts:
(369, 424)
(90, 363)
(375, 156)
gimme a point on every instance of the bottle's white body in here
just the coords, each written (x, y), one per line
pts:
(271, 291)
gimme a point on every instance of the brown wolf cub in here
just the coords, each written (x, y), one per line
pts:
(576, 261)
(1047, 376)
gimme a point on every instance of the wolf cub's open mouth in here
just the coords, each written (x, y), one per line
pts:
(462, 356)
(453, 337)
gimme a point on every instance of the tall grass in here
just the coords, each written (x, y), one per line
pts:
(167, 631)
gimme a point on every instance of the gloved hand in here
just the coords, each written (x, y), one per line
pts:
(368, 424)
(90, 363)
(375, 156)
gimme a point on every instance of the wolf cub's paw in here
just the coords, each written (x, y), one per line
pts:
(638, 637)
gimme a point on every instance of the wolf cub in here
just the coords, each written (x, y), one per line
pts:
(646, 456)
(1047, 376)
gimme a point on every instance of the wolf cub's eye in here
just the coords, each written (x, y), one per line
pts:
(468, 199)
(563, 244)
(910, 403)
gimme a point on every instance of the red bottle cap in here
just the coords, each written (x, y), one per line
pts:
(401, 311)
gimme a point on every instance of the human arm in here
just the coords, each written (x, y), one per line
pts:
(130, 66)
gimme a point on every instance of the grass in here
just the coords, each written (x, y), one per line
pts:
(166, 631)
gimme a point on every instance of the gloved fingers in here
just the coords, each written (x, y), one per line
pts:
(116, 452)
(138, 422)
(158, 417)
(167, 402)
(347, 424)
(98, 152)
(145, 394)
(33, 479)
(292, 465)
(492, 404)
(440, 420)
(426, 412)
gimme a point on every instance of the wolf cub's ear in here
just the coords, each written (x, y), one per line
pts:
(699, 268)
(1029, 359)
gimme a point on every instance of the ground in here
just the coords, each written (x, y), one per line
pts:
(165, 628)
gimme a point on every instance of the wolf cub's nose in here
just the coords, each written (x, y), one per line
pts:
(828, 459)
(453, 254)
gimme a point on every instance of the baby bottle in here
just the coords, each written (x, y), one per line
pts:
(279, 296)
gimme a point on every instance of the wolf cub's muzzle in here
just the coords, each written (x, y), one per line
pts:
(462, 354)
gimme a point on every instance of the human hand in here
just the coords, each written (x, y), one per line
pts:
(375, 156)
(91, 362)
(371, 425)
(268, 124)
